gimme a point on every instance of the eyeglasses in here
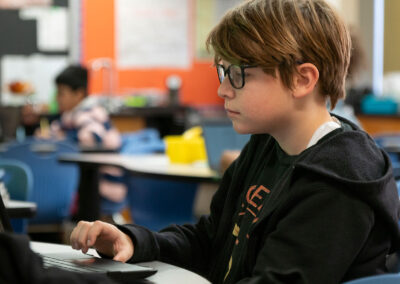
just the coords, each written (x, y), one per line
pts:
(235, 74)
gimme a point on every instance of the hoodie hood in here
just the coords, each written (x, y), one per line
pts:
(361, 167)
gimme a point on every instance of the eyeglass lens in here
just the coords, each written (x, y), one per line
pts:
(235, 75)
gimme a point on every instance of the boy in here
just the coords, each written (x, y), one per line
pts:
(81, 120)
(311, 199)
(85, 122)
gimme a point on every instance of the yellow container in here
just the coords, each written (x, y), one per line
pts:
(185, 150)
(198, 149)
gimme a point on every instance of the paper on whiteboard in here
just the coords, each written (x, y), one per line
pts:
(16, 4)
(38, 70)
(152, 33)
(52, 27)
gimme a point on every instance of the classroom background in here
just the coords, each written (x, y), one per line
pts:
(148, 66)
(137, 51)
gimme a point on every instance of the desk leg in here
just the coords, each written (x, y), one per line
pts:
(89, 197)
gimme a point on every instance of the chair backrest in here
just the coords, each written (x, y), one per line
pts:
(54, 184)
(378, 279)
(219, 136)
(157, 203)
(142, 142)
(18, 179)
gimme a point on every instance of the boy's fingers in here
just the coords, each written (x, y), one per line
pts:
(77, 234)
(74, 237)
(82, 237)
(95, 230)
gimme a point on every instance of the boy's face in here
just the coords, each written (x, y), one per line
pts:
(263, 105)
(67, 98)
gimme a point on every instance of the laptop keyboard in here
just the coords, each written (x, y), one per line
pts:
(67, 265)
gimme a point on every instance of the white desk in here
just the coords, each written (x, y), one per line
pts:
(20, 209)
(145, 165)
(156, 165)
(166, 273)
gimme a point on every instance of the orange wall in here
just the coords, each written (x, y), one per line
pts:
(200, 82)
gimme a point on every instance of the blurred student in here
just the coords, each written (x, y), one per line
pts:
(311, 199)
(83, 121)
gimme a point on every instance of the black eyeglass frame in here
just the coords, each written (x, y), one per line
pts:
(227, 71)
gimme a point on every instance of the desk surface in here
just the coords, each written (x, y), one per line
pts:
(154, 165)
(166, 273)
(148, 165)
(20, 209)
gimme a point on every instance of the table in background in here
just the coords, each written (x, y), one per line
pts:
(379, 124)
(20, 209)
(166, 273)
(145, 165)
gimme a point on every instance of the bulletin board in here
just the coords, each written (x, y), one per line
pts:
(35, 39)
(98, 40)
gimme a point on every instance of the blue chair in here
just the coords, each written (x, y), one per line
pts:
(54, 184)
(141, 142)
(157, 203)
(377, 279)
(219, 136)
(18, 179)
(391, 144)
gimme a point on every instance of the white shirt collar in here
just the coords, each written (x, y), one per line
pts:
(323, 130)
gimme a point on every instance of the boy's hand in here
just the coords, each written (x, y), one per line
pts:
(103, 237)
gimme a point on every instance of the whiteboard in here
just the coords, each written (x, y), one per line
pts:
(153, 34)
(52, 27)
(38, 70)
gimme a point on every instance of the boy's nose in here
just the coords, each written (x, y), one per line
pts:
(225, 89)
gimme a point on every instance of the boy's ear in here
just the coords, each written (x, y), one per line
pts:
(305, 80)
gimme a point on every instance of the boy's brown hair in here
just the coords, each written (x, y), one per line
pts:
(280, 34)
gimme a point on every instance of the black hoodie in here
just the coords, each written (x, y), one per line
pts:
(333, 217)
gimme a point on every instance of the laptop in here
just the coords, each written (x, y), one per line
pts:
(83, 263)
(219, 136)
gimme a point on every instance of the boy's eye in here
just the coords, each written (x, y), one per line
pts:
(236, 73)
